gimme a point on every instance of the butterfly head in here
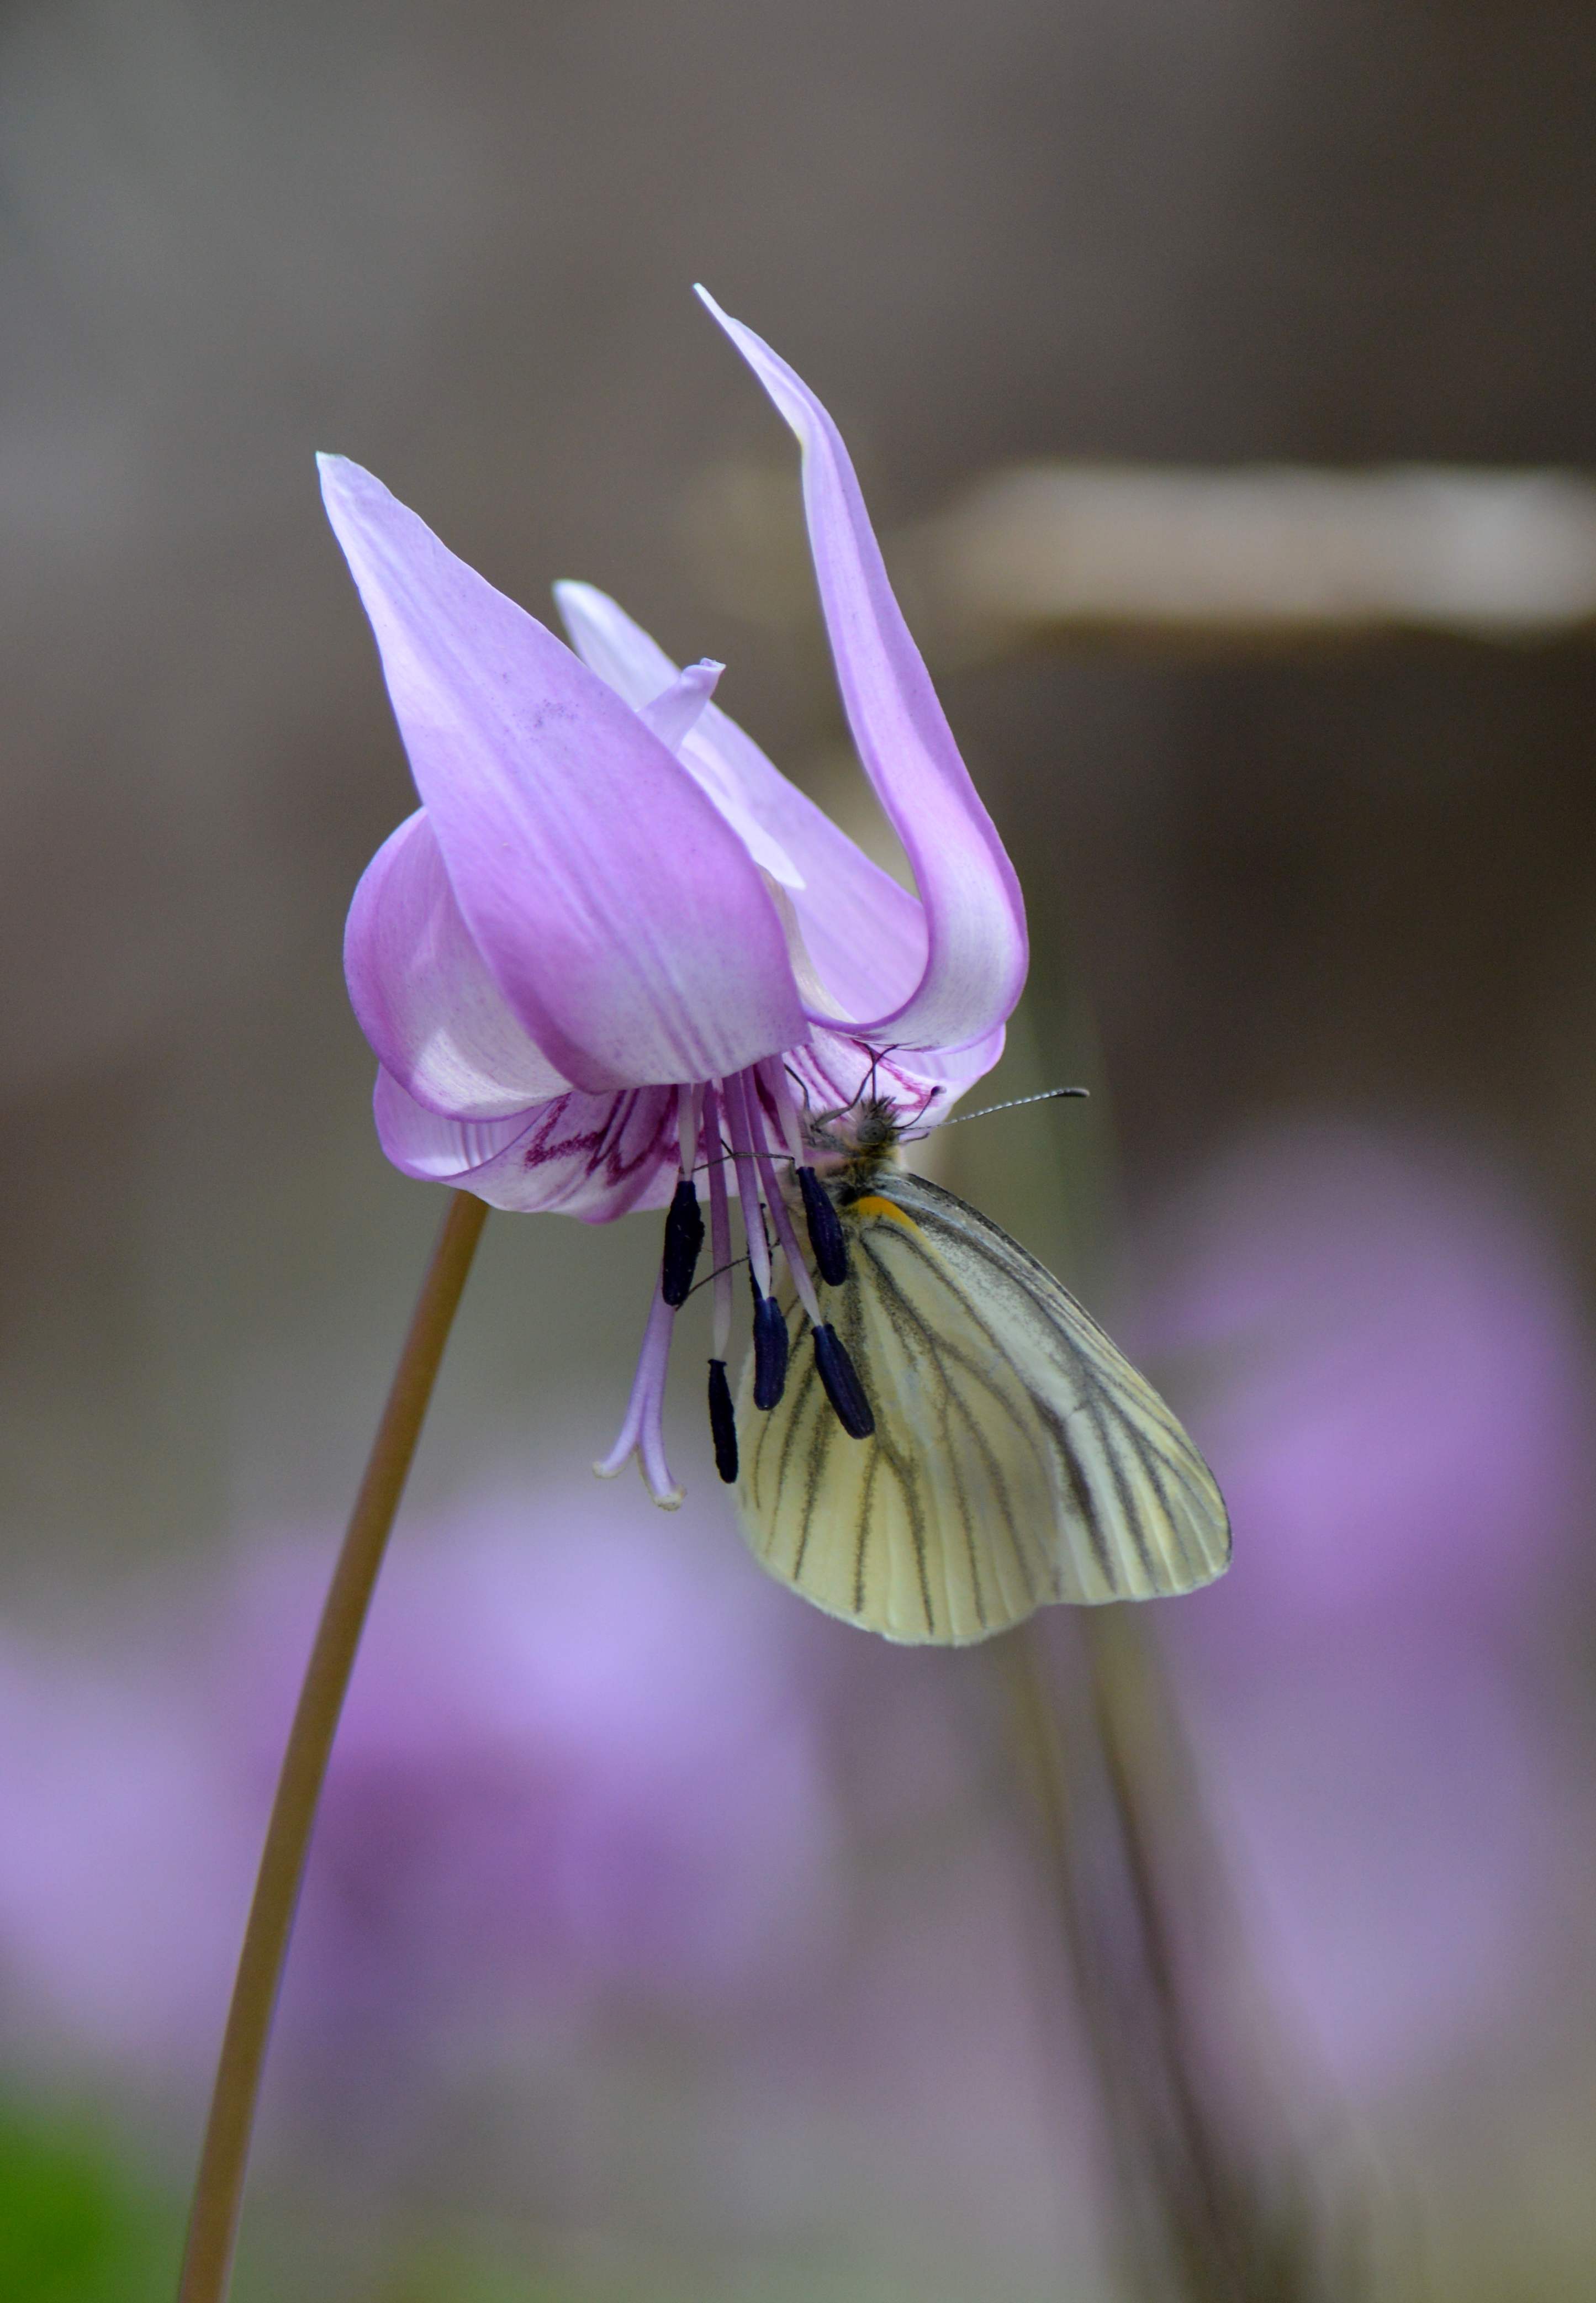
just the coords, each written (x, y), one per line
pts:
(851, 1147)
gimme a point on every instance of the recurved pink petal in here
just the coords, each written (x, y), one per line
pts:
(865, 933)
(424, 999)
(593, 1156)
(620, 915)
(975, 958)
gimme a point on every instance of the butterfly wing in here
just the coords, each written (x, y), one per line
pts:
(1018, 1456)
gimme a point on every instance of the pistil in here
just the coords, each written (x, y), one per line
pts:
(643, 1431)
(735, 1121)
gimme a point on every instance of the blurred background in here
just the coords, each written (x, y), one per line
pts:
(664, 1940)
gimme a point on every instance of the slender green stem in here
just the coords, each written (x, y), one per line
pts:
(213, 2223)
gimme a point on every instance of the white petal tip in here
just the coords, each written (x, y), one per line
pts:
(349, 488)
(331, 473)
(717, 312)
(567, 588)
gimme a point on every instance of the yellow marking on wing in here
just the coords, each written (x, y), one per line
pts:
(873, 1204)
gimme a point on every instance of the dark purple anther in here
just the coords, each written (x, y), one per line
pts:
(842, 1385)
(684, 1237)
(826, 1236)
(722, 1422)
(770, 1351)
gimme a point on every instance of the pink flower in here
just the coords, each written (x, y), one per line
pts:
(576, 1773)
(1393, 1384)
(614, 946)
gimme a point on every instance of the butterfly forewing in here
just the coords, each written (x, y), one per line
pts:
(1017, 1457)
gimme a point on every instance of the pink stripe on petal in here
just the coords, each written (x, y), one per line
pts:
(621, 917)
(976, 962)
(596, 1157)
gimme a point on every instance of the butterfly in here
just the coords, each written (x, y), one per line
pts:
(1011, 1455)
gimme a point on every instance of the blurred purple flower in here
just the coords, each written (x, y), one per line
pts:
(1393, 1383)
(614, 939)
(572, 1773)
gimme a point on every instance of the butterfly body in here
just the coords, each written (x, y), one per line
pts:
(1016, 1459)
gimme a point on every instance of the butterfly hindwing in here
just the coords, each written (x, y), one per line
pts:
(1018, 1456)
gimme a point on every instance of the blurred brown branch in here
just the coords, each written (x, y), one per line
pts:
(1259, 554)
(1150, 555)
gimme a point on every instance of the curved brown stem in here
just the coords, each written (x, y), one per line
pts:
(218, 2191)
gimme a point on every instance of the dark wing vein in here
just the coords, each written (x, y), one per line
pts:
(1016, 1456)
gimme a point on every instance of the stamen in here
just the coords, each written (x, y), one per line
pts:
(642, 1433)
(723, 1422)
(827, 1238)
(689, 1115)
(837, 1373)
(788, 1237)
(770, 1351)
(748, 1188)
(842, 1381)
(719, 1221)
(684, 1241)
(769, 1327)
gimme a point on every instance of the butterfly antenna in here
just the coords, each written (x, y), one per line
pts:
(725, 1159)
(1048, 1095)
(867, 1086)
(866, 1091)
(716, 1274)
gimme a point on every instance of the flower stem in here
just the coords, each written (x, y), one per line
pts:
(1062, 1822)
(1207, 2209)
(213, 2223)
